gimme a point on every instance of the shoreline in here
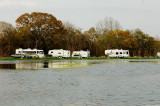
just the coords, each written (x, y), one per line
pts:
(90, 58)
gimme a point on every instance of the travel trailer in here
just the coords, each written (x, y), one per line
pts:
(158, 54)
(117, 53)
(81, 54)
(29, 53)
(60, 53)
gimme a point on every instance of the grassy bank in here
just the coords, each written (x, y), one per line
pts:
(90, 58)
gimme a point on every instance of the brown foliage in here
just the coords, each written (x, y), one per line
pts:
(44, 31)
(40, 30)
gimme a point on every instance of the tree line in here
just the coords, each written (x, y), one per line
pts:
(45, 31)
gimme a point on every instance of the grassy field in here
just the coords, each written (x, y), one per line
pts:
(90, 58)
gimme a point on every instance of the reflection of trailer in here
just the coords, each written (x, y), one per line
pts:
(81, 54)
(65, 65)
(117, 53)
(60, 53)
(30, 53)
(29, 65)
(158, 54)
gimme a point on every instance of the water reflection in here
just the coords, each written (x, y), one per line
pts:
(7, 66)
(29, 66)
(45, 64)
(64, 65)
(56, 65)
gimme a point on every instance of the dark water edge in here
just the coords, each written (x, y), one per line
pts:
(80, 83)
(40, 64)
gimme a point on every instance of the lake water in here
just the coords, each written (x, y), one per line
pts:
(80, 83)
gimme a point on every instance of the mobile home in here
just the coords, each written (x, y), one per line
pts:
(81, 54)
(29, 53)
(117, 53)
(158, 54)
(60, 53)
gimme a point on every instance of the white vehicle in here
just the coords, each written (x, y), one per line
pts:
(30, 53)
(158, 54)
(60, 53)
(81, 54)
(117, 53)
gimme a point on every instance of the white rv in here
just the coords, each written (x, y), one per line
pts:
(117, 53)
(29, 53)
(60, 53)
(158, 54)
(81, 54)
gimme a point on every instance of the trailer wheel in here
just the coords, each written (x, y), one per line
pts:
(59, 57)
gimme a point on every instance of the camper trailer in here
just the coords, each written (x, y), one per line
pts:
(60, 53)
(81, 54)
(117, 53)
(158, 54)
(28, 53)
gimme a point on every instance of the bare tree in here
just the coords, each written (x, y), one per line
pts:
(106, 25)
(5, 27)
(71, 32)
(6, 38)
(91, 37)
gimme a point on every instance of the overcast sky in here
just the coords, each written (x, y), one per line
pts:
(131, 14)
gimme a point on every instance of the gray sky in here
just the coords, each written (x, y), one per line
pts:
(132, 14)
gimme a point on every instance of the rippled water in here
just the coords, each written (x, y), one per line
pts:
(80, 83)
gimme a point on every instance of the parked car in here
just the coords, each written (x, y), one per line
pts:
(17, 55)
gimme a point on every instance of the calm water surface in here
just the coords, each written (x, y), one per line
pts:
(80, 83)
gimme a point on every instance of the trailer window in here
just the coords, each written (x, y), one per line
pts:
(29, 51)
(116, 53)
(51, 52)
(120, 52)
(76, 55)
(40, 52)
(126, 52)
(59, 52)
